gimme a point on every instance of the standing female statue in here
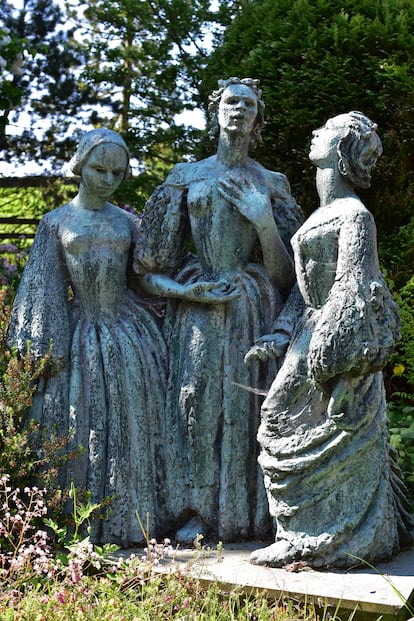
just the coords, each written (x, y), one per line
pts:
(225, 205)
(332, 484)
(105, 385)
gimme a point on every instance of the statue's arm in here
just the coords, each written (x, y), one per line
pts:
(202, 291)
(288, 214)
(255, 205)
(274, 345)
(357, 249)
(39, 316)
(164, 230)
(358, 324)
(276, 258)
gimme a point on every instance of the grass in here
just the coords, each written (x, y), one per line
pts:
(128, 594)
(54, 574)
(171, 597)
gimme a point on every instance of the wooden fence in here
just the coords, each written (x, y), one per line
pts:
(15, 234)
(20, 224)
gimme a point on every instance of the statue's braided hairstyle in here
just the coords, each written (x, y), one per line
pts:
(359, 149)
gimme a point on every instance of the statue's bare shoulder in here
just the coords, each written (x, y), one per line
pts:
(276, 182)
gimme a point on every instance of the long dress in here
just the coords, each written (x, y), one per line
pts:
(332, 481)
(211, 418)
(108, 389)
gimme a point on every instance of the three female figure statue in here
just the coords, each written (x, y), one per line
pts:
(332, 483)
(181, 442)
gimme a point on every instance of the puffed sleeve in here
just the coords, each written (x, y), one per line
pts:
(287, 213)
(164, 229)
(40, 311)
(359, 323)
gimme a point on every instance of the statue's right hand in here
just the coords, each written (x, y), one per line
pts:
(268, 347)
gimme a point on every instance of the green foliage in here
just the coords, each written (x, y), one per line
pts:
(145, 61)
(316, 59)
(11, 56)
(16, 392)
(18, 435)
(401, 386)
(161, 597)
(405, 349)
(125, 65)
(47, 84)
(397, 252)
(34, 202)
(401, 427)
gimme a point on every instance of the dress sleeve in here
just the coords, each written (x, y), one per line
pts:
(359, 323)
(164, 228)
(287, 213)
(291, 313)
(40, 312)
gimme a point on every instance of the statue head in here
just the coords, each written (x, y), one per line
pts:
(92, 139)
(214, 103)
(352, 141)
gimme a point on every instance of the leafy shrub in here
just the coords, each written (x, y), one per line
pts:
(316, 59)
(401, 387)
(18, 436)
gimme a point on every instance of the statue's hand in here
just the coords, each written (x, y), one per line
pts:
(210, 292)
(243, 194)
(268, 347)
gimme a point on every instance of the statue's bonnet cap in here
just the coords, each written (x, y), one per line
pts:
(89, 141)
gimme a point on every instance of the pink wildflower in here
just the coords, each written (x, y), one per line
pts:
(60, 596)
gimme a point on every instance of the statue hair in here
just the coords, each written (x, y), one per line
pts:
(214, 102)
(359, 150)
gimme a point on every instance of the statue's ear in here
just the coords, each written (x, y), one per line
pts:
(343, 166)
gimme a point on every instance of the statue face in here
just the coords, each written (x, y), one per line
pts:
(237, 109)
(105, 169)
(324, 143)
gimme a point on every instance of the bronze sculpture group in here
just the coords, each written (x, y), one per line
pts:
(166, 412)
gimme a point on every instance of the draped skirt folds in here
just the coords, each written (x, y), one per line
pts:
(212, 418)
(109, 401)
(332, 483)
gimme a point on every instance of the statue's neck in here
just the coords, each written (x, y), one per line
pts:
(233, 150)
(331, 186)
(86, 200)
